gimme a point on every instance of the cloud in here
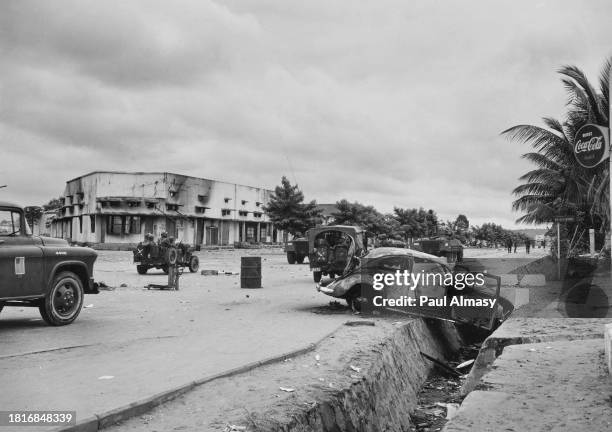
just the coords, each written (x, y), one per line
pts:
(389, 103)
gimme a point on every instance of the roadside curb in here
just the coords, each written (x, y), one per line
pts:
(108, 418)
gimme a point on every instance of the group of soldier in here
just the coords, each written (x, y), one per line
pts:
(510, 244)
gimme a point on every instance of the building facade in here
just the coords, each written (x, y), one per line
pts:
(120, 207)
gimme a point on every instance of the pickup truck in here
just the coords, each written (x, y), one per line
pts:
(42, 272)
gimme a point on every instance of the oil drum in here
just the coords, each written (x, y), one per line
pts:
(250, 272)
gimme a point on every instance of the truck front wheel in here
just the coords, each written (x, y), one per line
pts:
(64, 301)
(291, 257)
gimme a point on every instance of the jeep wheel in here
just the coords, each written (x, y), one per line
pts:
(164, 269)
(172, 255)
(64, 301)
(142, 269)
(194, 264)
(317, 276)
(291, 258)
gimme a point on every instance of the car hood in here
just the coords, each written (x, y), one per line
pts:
(52, 241)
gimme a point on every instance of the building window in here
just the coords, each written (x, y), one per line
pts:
(133, 203)
(250, 234)
(92, 221)
(257, 214)
(243, 213)
(132, 225)
(115, 223)
(226, 200)
(225, 212)
(172, 207)
(115, 204)
(200, 209)
(244, 202)
(151, 205)
(257, 203)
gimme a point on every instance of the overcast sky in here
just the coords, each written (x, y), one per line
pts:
(390, 103)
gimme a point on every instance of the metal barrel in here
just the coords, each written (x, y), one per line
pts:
(250, 272)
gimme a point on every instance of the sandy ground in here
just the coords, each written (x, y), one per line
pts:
(143, 342)
(148, 341)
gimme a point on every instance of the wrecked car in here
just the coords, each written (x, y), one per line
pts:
(331, 249)
(416, 283)
(164, 253)
(42, 272)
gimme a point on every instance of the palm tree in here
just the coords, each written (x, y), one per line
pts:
(559, 185)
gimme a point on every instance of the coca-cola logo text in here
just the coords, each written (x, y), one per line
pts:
(593, 144)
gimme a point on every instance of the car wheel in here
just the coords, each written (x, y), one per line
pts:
(194, 264)
(291, 257)
(64, 301)
(317, 276)
(142, 269)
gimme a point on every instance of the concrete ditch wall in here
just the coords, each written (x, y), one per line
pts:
(385, 397)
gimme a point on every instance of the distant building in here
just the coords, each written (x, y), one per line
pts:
(120, 207)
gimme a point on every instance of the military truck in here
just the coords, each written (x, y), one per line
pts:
(442, 246)
(42, 272)
(331, 249)
(296, 250)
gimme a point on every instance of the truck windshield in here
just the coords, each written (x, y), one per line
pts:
(10, 223)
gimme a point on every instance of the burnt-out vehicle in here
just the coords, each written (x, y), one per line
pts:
(331, 249)
(296, 250)
(42, 272)
(436, 291)
(163, 254)
(441, 246)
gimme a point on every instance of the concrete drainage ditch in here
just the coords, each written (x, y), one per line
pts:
(362, 378)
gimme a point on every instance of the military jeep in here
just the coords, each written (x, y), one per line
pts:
(162, 254)
(42, 272)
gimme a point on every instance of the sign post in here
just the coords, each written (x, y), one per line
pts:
(592, 147)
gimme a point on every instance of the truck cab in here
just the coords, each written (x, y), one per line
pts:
(42, 272)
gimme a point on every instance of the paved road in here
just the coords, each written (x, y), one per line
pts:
(150, 341)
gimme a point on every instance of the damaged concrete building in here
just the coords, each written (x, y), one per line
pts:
(106, 207)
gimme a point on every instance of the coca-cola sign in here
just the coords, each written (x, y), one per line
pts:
(591, 145)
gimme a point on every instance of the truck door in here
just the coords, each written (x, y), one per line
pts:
(21, 263)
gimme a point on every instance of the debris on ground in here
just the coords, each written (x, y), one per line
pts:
(359, 323)
(88, 306)
(102, 286)
(464, 364)
(355, 368)
(287, 389)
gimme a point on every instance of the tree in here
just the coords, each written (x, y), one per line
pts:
(288, 212)
(33, 214)
(53, 204)
(559, 185)
(462, 224)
